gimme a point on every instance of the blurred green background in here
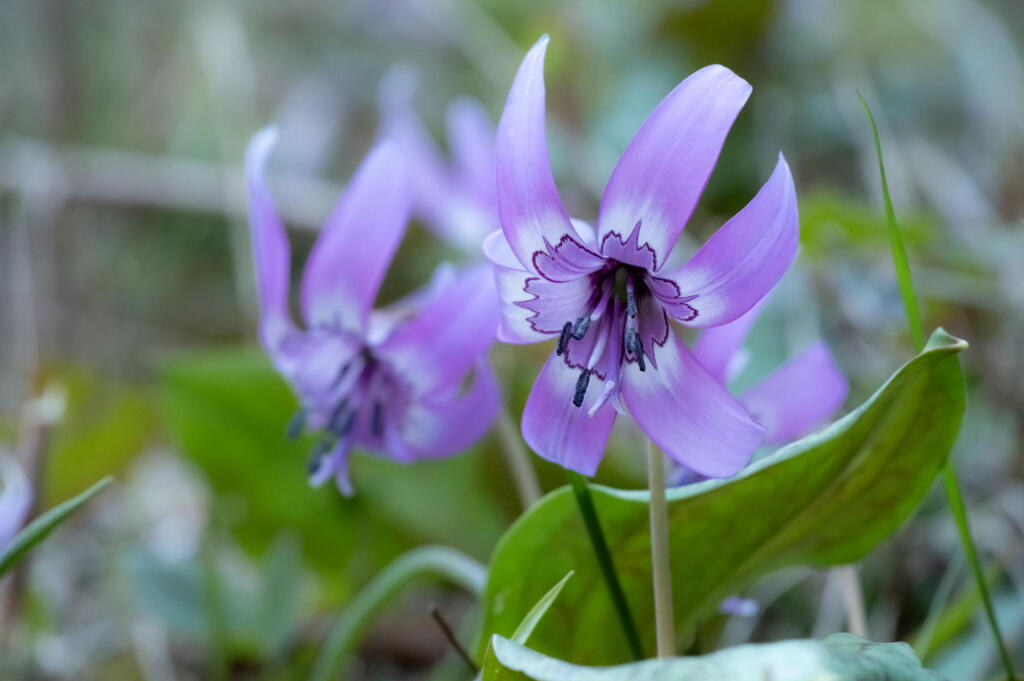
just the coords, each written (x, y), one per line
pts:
(125, 286)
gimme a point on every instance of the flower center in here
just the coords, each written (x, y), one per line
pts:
(613, 313)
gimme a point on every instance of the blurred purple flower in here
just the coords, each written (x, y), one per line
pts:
(456, 198)
(392, 381)
(605, 293)
(15, 499)
(740, 607)
(793, 400)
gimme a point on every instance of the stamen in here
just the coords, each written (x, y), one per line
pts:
(342, 419)
(378, 419)
(579, 329)
(609, 388)
(636, 346)
(563, 340)
(631, 308)
(316, 457)
(581, 387)
(602, 304)
(296, 424)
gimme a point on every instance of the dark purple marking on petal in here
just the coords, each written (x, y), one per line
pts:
(628, 250)
(671, 298)
(555, 303)
(568, 259)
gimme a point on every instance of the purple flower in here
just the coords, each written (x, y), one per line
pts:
(456, 199)
(392, 381)
(791, 401)
(15, 499)
(606, 294)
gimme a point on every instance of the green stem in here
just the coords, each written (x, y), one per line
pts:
(581, 490)
(518, 460)
(439, 561)
(661, 567)
(956, 502)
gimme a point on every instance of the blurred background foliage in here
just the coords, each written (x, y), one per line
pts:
(126, 283)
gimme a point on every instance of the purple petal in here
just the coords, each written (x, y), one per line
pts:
(448, 426)
(471, 137)
(434, 350)
(15, 499)
(531, 212)
(720, 348)
(689, 414)
(532, 308)
(429, 176)
(744, 259)
(664, 170)
(559, 431)
(740, 607)
(352, 253)
(270, 252)
(799, 396)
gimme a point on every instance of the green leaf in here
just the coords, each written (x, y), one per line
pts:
(533, 618)
(825, 500)
(42, 526)
(840, 657)
(106, 423)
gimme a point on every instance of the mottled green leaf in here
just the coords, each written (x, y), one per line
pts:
(825, 500)
(840, 657)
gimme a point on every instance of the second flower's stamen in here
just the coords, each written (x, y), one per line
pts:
(377, 420)
(582, 383)
(296, 424)
(316, 457)
(342, 419)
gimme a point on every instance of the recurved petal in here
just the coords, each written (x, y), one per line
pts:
(352, 253)
(429, 176)
(471, 136)
(743, 260)
(533, 308)
(437, 428)
(456, 326)
(664, 170)
(530, 209)
(720, 348)
(559, 431)
(799, 396)
(689, 414)
(270, 250)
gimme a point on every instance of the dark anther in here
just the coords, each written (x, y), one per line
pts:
(636, 347)
(342, 419)
(563, 340)
(378, 419)
(296, 424)
(579, 329)
(581, 387)
(317, 455)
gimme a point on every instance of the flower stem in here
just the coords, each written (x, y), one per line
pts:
(853, 600)
(581, 490)
(518, 459)
(662, 569)
(956, 501)
(425, 560)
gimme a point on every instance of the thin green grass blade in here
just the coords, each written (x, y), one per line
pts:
(910, 304)
(42, 526)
